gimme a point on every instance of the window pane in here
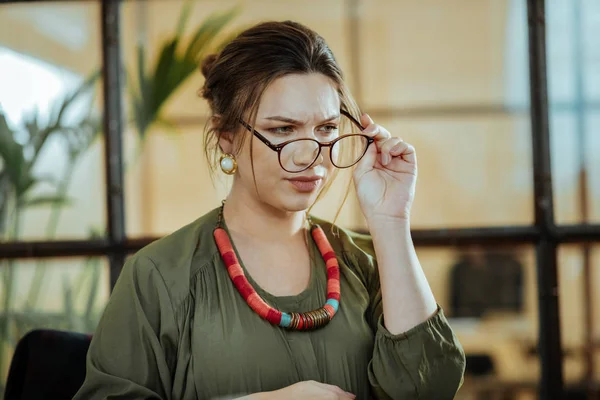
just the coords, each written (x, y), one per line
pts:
(64, 294)
(431, 53)
(572, 276)
(490, 296)
(592, 149)
(472, 171)
(590, 28)
(575, 168)
(574, 97)
(51, 164)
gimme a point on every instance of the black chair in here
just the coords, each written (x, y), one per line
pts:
(479, 365)
(47, 364)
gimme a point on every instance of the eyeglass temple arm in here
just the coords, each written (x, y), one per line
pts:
(259, 136)
(347, 114)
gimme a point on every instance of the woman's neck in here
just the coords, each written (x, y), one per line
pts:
(249, 216)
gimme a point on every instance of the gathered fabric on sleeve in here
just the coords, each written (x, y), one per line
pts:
(426, 362)
(131, 353)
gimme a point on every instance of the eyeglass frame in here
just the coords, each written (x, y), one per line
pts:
(278, 147)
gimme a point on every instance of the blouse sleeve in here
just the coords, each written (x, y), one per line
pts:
(426, 362)
(127, 358)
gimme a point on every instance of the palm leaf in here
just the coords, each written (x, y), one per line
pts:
(88, 314)
(163, 72)
(46, 200)
(205, 34)
(13, 156)
(184, 17)
(80, 137)
(85, 88)
(69, 309)
(173, 66)
(170, 125)
(56, 120)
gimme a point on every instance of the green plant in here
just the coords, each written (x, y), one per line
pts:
(174, 65)
(22, 188)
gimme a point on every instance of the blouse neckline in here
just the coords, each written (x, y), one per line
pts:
(285, 300)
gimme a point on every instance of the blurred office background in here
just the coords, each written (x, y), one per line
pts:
(451, 77)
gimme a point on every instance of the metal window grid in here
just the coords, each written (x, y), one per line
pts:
(544, 233)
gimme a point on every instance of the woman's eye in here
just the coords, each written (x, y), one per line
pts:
(282, 130)
(329, 130)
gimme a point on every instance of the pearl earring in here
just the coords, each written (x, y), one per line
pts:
(228, 164)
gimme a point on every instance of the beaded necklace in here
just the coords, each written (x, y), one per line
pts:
(294, 321)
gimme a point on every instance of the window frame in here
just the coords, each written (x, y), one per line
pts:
(544, 234)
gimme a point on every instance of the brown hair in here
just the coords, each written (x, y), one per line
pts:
(236, 78)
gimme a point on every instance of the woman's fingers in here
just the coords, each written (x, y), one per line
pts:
(338, 390)
(373, 130)
(391, 148)
(387, 147)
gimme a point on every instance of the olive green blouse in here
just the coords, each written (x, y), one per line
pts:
(176, 328)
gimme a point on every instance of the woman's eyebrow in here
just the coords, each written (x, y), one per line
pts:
(298, 122)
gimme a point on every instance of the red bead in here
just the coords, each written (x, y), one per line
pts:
(274, 316)
(330, 310)
(301, 322)
(329, 255)
(333, 273)
(307, 322)
(229, 258)
(243, 287)
(333, 295)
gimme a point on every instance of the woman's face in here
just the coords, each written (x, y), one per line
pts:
(292, 107)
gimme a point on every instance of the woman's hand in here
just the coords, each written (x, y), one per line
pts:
(307, 390)
(386, 176)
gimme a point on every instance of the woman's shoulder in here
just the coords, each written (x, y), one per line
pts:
(347, 240)
(178, 256)
(354, 246)
(180, 246)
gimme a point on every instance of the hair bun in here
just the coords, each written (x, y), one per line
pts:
(207, 64)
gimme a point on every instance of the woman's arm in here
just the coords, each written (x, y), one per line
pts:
(127, 357)
(425, 361)
(406, 295)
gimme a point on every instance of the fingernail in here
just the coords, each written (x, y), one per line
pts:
(385, 158)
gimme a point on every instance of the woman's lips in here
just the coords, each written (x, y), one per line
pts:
(306, 184)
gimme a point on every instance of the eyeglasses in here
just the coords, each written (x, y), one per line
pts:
(298, 155)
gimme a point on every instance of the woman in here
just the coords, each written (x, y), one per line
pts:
(257, 300)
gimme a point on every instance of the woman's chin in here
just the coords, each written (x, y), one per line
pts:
(296, 203)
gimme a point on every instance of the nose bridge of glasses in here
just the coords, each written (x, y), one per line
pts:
(299, 153)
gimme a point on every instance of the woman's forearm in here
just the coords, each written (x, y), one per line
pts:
(406, 295)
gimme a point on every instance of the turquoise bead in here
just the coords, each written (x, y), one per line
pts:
(286, 320)
(333, 303)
